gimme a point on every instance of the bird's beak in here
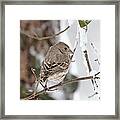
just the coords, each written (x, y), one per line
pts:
(71, 53)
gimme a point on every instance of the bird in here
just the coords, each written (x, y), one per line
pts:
(56, 64)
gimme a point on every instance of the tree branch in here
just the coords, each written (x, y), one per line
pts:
(43, 38)
(60, 84)
(89, 68)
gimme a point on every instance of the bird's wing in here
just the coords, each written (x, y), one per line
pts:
(63, 65)
(58, 61)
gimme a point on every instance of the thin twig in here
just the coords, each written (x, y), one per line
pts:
(87, 60)
(58, 85)
(90, 68)
(43, 38)
(97, 73)
(93, 95)
(33, 71)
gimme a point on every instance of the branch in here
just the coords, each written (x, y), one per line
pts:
(43, 38)
(87, 60)
(60, 84)
(89, 68)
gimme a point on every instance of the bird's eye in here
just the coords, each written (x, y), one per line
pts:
(65, 48)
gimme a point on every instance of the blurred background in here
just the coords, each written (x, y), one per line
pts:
(33, 51)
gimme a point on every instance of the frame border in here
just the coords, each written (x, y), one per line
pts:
(2, 55)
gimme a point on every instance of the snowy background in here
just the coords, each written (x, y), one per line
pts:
(78, 67)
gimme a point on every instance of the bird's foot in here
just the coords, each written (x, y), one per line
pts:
(48, 89)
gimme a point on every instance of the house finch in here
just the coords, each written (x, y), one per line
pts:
(56, 63)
